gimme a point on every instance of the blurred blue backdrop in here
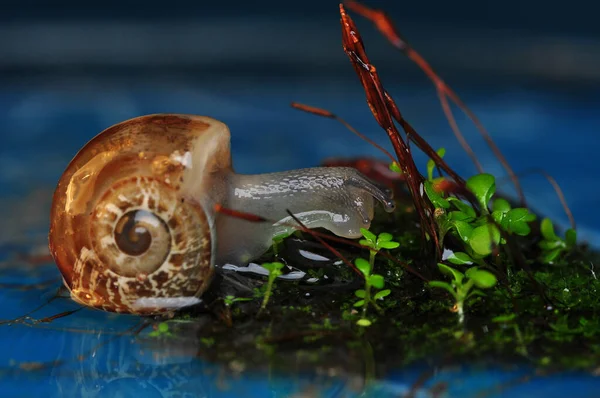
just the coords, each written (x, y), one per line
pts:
(529, 70)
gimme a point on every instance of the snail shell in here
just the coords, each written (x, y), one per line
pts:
(129, 230)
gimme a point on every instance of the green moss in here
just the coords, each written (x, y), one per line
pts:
(556, 332)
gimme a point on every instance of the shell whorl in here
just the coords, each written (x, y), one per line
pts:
(129, 227)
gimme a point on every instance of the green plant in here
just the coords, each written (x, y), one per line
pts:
(480, 234)
(161, 330)
(229, 300)
(431, 164)
(462, 289)
(552, 245)
(372, 282)
(274, 271)
(394, 166)
(278, 241)
(508, 320)
(376, 243)
(584, 326)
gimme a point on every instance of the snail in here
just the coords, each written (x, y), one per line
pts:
(133, 223)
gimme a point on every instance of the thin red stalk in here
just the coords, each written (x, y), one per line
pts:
(557, 189)
(327, 245)
(561, 197)
(60, 315)
(238, 214)
(421, 143)
(386, 27)
(254, 218)
(330, 115)
(456, 130)
(376, 99)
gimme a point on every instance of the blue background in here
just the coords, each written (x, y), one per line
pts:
(531, 72)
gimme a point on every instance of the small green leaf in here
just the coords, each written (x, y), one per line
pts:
(279, 238)
(363, 322)
(365, 242)
(229, 300)
(388, 245)
(457, 275)
(381, 294)
(469, 271)
(463, 207)
(551, 255)
(275, 273)
(501, 205)
(163, 327)
(460, 258)
(395, 167)
(484, 238)
(363, 265)
(463, 229)
(370, 236)
(384, 237)
(360, 293)
(476, 292)
(547, 229)
(517, 220)
(504, 318)
(273, 267)
(436, 199)
(443, 285)
(482, 279)
(500, 218)
(430, 167)
(359, 303)
(547, 245)
(459, 216)
(521, 229)
(376, 281)
(517, 227)
(483, 187)
(571, 237)
(431, 163)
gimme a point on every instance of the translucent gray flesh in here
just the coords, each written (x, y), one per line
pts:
(339, 199)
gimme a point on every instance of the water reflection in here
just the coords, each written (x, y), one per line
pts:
(105, 364)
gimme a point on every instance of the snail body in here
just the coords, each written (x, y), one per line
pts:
(133, 227)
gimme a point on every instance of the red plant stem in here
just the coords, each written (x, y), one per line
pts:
(60, 315)
(387, 28)
(328, 246)
(421, 143)
(561, 197)
(379, 103)
(557, 189)
(254, 218)
(456, 130)
(330, 115)
(238, 214)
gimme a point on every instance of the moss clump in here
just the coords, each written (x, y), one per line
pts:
(314, 324)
